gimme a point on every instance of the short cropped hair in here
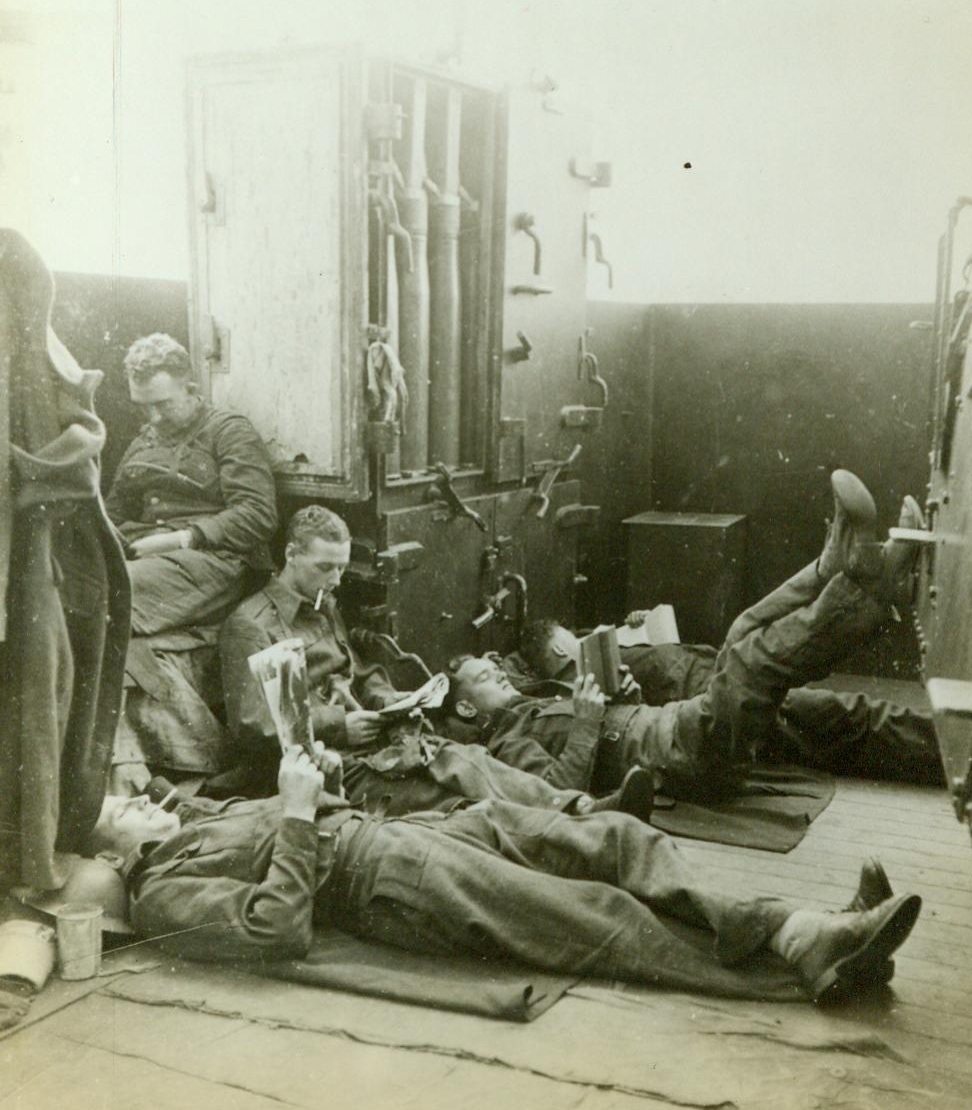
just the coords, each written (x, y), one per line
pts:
(157, 354)
(314, 521)
(534, 639)
(451, 670)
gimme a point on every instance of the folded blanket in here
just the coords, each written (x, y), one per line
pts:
(773, 811)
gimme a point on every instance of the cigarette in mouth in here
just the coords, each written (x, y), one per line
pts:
(168, 798)
(319, 601)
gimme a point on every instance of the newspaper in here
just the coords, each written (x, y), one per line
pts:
(282, 672)
(429, 696)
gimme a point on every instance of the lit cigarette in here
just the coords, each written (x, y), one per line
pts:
(319, 600)
(168, 798)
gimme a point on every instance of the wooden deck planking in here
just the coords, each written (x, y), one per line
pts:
(925, 850)
(598, 1049)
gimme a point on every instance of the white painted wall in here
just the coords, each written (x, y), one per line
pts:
(827, 138)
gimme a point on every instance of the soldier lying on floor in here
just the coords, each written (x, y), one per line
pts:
(396, 767)
(595, 895)
(701, 748)
(842, 732)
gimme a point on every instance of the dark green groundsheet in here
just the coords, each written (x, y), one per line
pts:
(487, 988)
(772, 811)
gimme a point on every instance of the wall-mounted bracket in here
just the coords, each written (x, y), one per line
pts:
(588, 369)
(523, 352)
(594, 238)
(596, 174)
(577, 516)
(215, 345)
(399, 557)
(916, 535)
(581, 416)
(531, 290)
(524, 221)
(212, 201)
(512, 585)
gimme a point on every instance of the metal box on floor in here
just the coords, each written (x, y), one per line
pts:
(693, 561)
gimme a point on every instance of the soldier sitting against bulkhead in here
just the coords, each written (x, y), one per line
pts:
(194, 500)
(193, 496)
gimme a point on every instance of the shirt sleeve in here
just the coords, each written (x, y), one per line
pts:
(247, 485)
(247, 713)
(221, 918)
(372, 687)
(369, 681)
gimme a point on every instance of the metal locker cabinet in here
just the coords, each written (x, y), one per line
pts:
(278, 224)
(693, 561)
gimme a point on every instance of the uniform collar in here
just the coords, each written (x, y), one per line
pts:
(202, 414)
(137, 857)
(288, 602)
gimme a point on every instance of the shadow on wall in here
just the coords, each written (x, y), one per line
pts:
(752, 407)
(98, 318)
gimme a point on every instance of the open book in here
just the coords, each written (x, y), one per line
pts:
(658, 627)
(282, 672)
(599, 655)
(429, 696)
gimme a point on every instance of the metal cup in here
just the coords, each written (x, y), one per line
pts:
(79, 940)
(26, 955)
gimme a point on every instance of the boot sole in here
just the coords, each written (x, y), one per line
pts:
(637, 797)
(911, 514)
(856, 499)
(867, 965)
(864, 558)
(873, 888)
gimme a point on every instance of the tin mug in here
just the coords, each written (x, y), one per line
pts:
(79, 940)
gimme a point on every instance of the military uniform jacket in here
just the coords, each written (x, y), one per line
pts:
(542, 736)
(237, 880)
(213, 477)
(338, 680)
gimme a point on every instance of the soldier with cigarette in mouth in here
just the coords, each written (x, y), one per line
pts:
(391, 763)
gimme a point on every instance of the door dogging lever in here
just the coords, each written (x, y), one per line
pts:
(446, 491)
(550, 475)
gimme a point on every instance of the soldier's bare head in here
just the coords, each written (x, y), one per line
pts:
(318, 551)
(160, 379)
